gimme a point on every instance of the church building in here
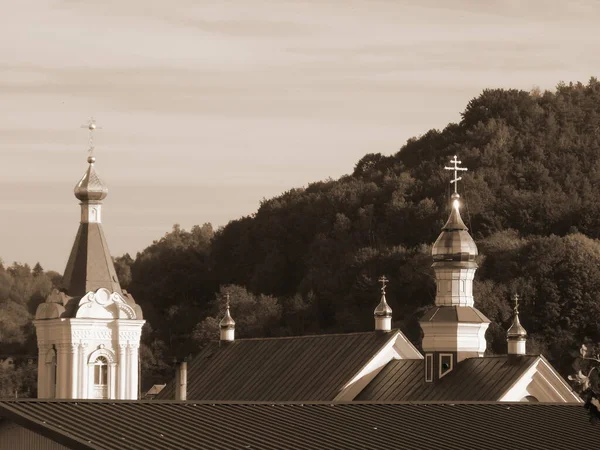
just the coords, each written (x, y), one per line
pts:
(89, 333)
(383, 365)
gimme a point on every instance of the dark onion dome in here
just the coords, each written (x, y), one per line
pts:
(227, 321)
(383, 309)
(454, 242)
(90, 187)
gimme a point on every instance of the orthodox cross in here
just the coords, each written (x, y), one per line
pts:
(383, 280)
(227, 301)
(456, 162)
(516, 299)
(91, 126)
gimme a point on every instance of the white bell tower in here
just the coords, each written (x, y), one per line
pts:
(89, 333)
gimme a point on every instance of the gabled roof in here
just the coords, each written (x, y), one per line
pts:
(158, 425)
(280, 369)
(474, 379)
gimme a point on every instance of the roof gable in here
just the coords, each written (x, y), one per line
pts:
(280, 369)
(473, 379)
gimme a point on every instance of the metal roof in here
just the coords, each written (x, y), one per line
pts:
(90, 266)
(447, 313)
(184, 425)
(474, 379)
(280, 369)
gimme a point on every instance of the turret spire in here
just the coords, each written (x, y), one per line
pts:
(383, 312)
(516, 335)
(227, 324)
(90, 265)
(453, 329)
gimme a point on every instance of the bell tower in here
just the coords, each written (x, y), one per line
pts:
(453, 329)
(89, 332)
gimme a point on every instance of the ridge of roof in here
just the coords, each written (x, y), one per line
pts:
(311, 336)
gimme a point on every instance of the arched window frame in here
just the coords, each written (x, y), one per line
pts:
(109, 356)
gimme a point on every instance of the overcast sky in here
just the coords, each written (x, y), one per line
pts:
(209, 106)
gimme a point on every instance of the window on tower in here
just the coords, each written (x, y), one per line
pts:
(101, 371)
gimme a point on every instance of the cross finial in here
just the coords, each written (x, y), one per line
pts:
(227, 300)
(456, 169)
(383, 280)
(516, 300)
(91, 126)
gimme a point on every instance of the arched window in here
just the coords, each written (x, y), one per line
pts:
(101, 377)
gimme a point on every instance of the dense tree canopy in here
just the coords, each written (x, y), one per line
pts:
(307, 261)
(532, 202)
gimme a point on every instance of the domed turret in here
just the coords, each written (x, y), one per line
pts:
(454, 242)
(383, 312)
(453, 329)
(90, 187)
(516, 335)
(227, 325)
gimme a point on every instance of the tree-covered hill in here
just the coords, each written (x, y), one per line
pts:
(307, 261)
(532, 202)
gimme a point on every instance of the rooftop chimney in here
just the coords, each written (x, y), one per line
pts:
(181, 381)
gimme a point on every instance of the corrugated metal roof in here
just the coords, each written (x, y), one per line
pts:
(474, 379)
(279, 369)
(186, 425)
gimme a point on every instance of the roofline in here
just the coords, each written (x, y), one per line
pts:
(529, 366)
(4, 403)
(42, 428)
(306, 336)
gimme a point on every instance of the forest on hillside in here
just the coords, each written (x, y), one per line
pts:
(308, 260)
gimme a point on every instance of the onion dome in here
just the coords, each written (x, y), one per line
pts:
(383, 309)
(227, 322)
(90, 187)
(516, 330)
(454, 242)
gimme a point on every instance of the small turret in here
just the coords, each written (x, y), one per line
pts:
(383, 312)
(227, 325)
(516, 336)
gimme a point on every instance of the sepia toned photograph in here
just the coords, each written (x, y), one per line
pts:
(299, 224)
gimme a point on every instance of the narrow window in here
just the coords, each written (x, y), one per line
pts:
(428, 367)
(445, 364)
(101, 371)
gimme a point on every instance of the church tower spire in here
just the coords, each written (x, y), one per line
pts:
(453, 329)
(89, 333)
(516, 336)
(383, 312)
(227, 325)
(90, 265)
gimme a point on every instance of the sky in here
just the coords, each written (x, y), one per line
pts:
(208, 107)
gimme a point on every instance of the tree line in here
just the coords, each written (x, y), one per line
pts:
(308, 260)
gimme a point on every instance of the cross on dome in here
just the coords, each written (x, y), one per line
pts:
(516, 300)
(456, 169)
(383, 280)
(91, 126)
